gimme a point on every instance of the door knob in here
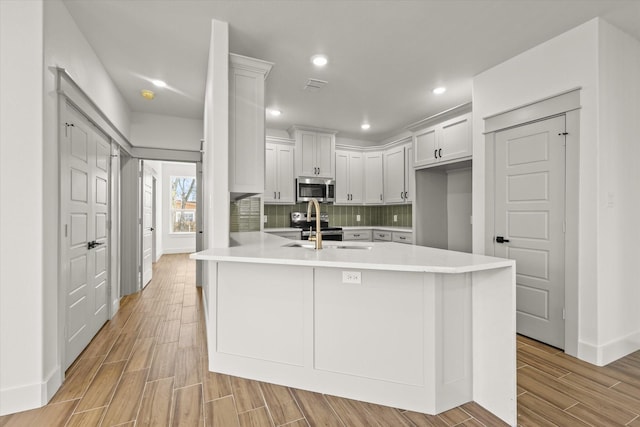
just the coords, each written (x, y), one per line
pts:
(500, 239)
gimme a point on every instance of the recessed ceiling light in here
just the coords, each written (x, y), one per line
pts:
(159, 83)
(440, 90)
(319, 60)
(147, 94)
(274, 112)
(365, 126)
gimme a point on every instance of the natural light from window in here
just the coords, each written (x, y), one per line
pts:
(183, 204)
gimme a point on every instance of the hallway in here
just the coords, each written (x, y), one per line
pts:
(148, 367)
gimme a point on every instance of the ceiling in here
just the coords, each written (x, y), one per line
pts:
(385, 56)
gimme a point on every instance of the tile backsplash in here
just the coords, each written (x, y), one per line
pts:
(341, 216)
(245, 214)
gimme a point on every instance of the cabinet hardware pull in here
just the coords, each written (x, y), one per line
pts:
(402, 238)
(440, 152)
(274, 195)
(278, 195)
(402, 195)
(435, 154)
(380, 196)
(356, 235)
(405, 195)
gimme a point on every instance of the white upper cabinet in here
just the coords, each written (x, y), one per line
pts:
(397, 182)
(444, 142)
(279, 178)
(349, 177)
(246, 125)
(315, 151)
(373, 178)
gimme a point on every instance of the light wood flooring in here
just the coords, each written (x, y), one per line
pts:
(148, 367)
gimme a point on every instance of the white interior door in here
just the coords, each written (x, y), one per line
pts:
(529, 220)
(147, 224)
(85, 159)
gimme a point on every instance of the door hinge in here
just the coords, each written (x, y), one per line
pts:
(564, 313)
(66, 128)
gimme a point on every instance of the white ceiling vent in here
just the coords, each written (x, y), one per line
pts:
(314, 85)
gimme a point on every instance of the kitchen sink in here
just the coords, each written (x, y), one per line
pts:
(327, 245)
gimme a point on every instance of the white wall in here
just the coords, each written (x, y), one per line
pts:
(459, 210)
(168, 132)
(618, 295)
(21, 158)
(174, 243)
(604, 63)
(36, 35)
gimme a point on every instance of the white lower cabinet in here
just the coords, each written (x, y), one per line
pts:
(381, 236)
(357, 235)
(402, 237)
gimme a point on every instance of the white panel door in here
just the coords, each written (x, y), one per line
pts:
(529, 218)
(147, 225)
(84, 168)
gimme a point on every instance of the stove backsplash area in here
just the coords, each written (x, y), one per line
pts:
(279, 216)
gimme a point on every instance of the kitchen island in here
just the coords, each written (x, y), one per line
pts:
(405, 326)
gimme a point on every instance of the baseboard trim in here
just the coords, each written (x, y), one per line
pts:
(604, 354)
(22, 398)
(52, 384)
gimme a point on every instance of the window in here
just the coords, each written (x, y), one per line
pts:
(183, 204)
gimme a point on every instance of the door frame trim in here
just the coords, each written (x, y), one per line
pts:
(567, 104)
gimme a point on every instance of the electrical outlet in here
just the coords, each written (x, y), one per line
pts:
(395, 218)
(264, 219)
(357, 218)
(351, 277)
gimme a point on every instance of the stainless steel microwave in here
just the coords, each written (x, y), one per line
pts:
(322, 189)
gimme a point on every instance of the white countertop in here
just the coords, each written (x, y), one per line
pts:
(265, 248)
(281, 229)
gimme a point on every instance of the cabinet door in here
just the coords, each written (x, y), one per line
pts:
(271, 174)
(394, 175)
(373, 181)
(426, 146)
(307, 154)
(285, 179)
(356, 172)
(455, 138)
(342, 177)
(324, 155)
(409, 174)
(246, 131)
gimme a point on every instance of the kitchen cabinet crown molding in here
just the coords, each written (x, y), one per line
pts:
(250, 64)
(280, 140)
(294, 128)
(440, 117)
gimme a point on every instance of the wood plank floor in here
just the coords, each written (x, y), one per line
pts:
(148, 367)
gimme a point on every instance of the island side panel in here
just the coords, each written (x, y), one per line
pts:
(260, 315)
(494, 342)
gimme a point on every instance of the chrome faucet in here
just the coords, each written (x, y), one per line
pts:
(318, 237)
